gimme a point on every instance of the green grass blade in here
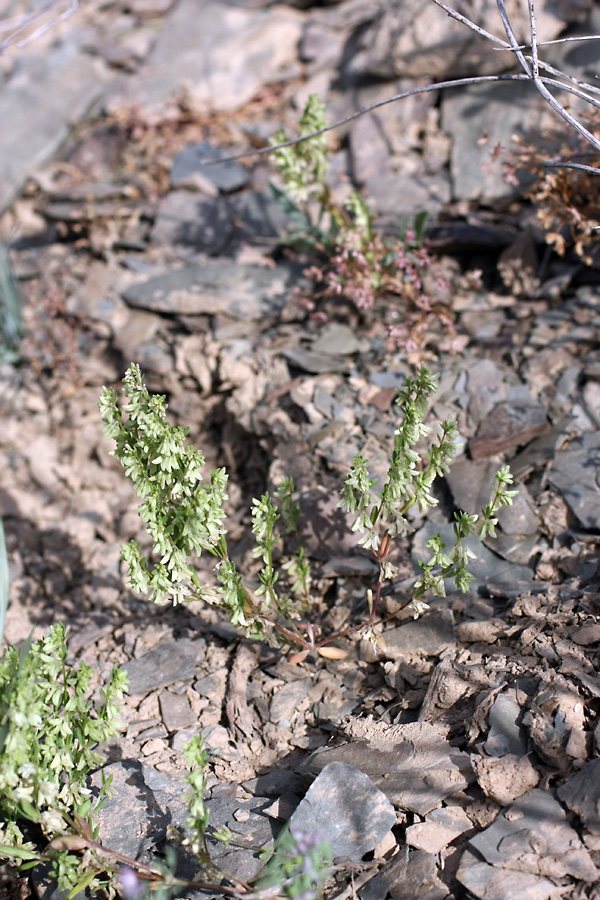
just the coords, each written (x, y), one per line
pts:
(3, 580)
(11, 318)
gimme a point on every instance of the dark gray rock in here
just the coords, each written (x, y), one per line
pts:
(581, 793)
(429, 635)
(191, 161)
(218, 286)
(316, 363)
(258, 216)
(508, 426)
(344, 806)
(574, 473)
(187, 218)
(171, 661)
(414, 876)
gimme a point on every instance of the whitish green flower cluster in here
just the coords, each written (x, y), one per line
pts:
(303, 166)
(182, 515)
(410, 478)
(48, 733)
(196, 758)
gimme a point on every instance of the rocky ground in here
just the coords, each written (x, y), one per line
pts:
(463, 745)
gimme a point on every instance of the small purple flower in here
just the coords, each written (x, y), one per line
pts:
(130, 884)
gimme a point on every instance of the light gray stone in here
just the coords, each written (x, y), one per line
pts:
(218, 54)
(44, 95)
(191, 162)
(533, 836)
(219, 286)
(345, 807)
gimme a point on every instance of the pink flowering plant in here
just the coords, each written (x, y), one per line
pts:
(375, 272)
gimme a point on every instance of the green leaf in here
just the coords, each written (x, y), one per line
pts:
(3, 580)
(18, 853)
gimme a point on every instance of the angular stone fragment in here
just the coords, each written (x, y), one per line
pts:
(429, 635)
(509, 425)
(412, 764)
(439, 829)
(533, 836)
(187, 218)
(574, 473)
(171, 661)
(581, 793)
(504, 778)
(219, 286)
(190, 163)
(345, 807)
(487, 883)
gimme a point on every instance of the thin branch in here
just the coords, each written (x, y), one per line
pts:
(565, 40)
(464, 21)
(511, 37)
(458, 82)
(559, 164)
(534, 48)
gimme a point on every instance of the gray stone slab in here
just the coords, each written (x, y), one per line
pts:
(506, 735)
(429, 635)
(316, 363)
(218, 54)
(487, 883)
(44, 95)
(169, 662)
(191, 161)
(413, 764)
(218, 286)
(575, 472)
(187, 218)
(581, 793)
(345, 807)
(533, 835)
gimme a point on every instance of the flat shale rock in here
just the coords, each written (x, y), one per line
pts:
(37, 122)
(190, 170)
(574, 473)
(188, 218)
(581, 793)
(171, 661)
(344, 806)
(219, 54)
(508, 426)
(413, 764)
(429, 635)
(219, 286)
(533, 836)
(414, 876)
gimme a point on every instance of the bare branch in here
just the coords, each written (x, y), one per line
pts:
(511, 37)
(565, 40)
(20, 24)
(561, 164)
(463, 19)
(534, 50)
